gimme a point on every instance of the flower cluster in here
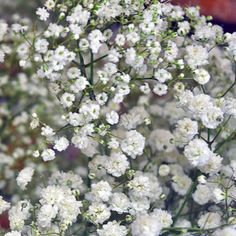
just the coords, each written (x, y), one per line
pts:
(130, 127)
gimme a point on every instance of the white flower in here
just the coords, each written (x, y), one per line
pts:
(202, 179)
(18, 214)
(202, 195)
(79, 85)
(160, 89)
(69, 209)
(42, 13)
(68, 179)
(47, 131)
(213, 164)
(209, 220)
(61, 144)
(139, 205)
(164, 170)
(113, 143)
(3, 205)
(117, 164)
(133, 144)
(50, 4)
(201, 76)
(4, 29)
(162, 75)
(219, 195)
(172, 51)
(230, 107)
(164, 218)
(96, 165)
(13, 233)
(181, 183)
(101, 191)
(112, 228)
(75, 119)
(96, 39)
(144, 185)
(212, 117)
(2, 56)
(24, 177)
(80, 141)
(67, 99)
(145, 88)
(101, 98)
(120, 39)
(41, 45)
(120, 203)
(35, 121)
(146, 225)
(46, 214)
(199, 104)
(196, 56)
(48, 155)
(90, 110)
(161, 140)
(58, 202)
(197, 152)
(227, 231)
(184, 27)
(98, 212)
(73, 73)
(185, 130)
(112, 118)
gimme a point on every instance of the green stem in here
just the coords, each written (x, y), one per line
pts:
(188, 195)
(96, 60)
(219, 145)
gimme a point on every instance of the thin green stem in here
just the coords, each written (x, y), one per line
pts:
(188, 195)
(96, 60)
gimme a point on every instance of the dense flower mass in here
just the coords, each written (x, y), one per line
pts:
(117, 118)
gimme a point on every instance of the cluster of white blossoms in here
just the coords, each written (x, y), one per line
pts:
(118, 119)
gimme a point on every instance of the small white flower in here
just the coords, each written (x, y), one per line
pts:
(79, 85)
(13, 233)
(24, 177)
(42, 13)
(101, 191)
(47, 131)
(218, 194)
(50, 4)
(197, 152)
(98, 212)
(112, 117)
(146, 225)
(112, 228)
(67, 99)
(48, 155)
(164, 218)
(201, 76)
(133, 144)
(160, 89)
(162, 75)
(2, 56)
(196, 56)
(164, 170)
(209, 220)
(73, 73)
(120, 203)
(4, 206)
(61, 144)
(202, 195)
(41, 45)
(117, 164)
